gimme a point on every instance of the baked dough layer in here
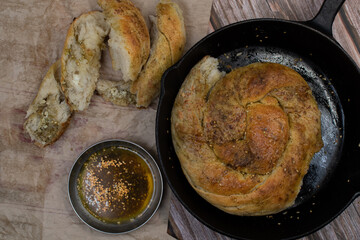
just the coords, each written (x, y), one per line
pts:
(80, 59)
(49, 114)
(245, 140)
(169, 37)
(129, 40)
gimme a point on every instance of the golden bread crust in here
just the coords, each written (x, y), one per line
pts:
(147, 85)
(167, 48)
(245, 142)
(127, 24)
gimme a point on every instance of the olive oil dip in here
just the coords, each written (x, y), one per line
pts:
(115, 185)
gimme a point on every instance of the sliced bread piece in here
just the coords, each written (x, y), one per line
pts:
(80, 61)
(129, 40)
(49, 113)
(171, 24)
(169, 37)
(147, 85)
(116, 92)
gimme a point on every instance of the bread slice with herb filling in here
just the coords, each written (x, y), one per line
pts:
(49, 114)
(80, 61)
(129, 40)
(116, 92)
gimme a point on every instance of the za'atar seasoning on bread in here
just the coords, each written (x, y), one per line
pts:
(115, 185)
(49, 114)
(80, 59)
(245, 139)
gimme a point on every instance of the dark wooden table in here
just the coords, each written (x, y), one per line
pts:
(346, 30)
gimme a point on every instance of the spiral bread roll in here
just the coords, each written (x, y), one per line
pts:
(245, 140)
(70, 83)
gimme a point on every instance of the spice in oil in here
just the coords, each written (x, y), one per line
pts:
(115, 185)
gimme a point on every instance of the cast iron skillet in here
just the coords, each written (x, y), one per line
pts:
(333, 180)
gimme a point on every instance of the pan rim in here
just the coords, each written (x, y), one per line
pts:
(303, 24)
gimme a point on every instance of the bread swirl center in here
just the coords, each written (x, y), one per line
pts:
(248, 138)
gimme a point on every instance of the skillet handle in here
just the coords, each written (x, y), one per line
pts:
(323, 21)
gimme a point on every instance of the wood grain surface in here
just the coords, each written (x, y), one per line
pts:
(346, 30)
